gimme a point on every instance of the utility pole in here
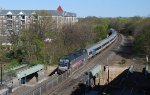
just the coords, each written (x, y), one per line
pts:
(147, 58)
(108, 70)
(1, 74)
(108, 74)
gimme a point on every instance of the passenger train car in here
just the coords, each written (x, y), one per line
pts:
(79, 57)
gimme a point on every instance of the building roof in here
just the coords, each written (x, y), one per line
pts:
(30, 12)
(29, 71)
(59, 8)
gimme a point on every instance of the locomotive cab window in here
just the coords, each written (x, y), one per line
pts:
(90, 52)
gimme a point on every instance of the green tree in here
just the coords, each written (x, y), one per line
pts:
(29, 46)
(101, 31)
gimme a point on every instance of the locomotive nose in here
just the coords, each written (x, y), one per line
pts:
(62, 68)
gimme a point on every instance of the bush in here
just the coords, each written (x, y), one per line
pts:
(123, 61)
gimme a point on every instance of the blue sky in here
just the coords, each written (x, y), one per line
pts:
(83, 8)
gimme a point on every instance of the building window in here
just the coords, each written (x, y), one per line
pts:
(17, 26)
(9, 16)
(23, 22)
(9, 27)
(17, 20)
(22, 17)
(9, 22)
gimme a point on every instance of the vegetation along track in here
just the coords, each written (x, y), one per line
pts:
(67, 86)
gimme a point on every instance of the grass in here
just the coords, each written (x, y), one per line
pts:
(12, 64)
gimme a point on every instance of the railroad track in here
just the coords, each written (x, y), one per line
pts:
(72, 82)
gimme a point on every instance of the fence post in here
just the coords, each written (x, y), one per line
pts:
(70, 71)
(66, 74)
(52, 83)
(33, 92)
(40, 91)
(62, 77)
(57, 79)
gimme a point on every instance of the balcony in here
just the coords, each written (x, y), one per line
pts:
(9, 27)
(23, 22)
(9, 17)
(9, 22)
(22, 17)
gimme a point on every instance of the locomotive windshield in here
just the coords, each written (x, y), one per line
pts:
(63, 62)
(83, 51)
